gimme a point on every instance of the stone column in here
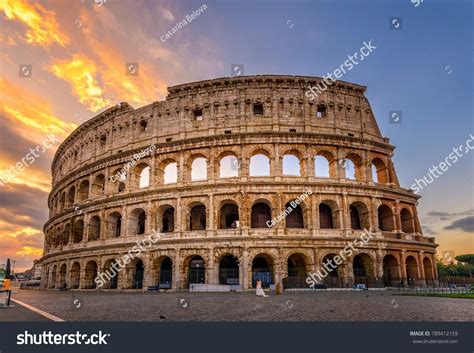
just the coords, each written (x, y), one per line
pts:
(243, 270)
(176, 280)
(103, 225)
(82, 276)
(374, 214)
(178, 226)
(346, 222)
(349, 272)
(148, 219)
(315, 204)
(403, 267)
(124, 225)
(277, 165)
(421, 269)
(435, 269)
(396, 217)
(148, 271)
(280, 226)
(210, 268)
(181, 171)
(211, 225)
(340, 163)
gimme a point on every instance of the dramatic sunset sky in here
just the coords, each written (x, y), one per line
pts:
(78, 51)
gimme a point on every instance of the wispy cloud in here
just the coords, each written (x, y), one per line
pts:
(42, 26)
(82, 74)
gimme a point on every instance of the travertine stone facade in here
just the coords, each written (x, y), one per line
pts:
(198, 186)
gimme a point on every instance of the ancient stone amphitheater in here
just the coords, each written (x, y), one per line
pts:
(220, 159)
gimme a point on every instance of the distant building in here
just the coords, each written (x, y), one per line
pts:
(448, 257)
(36, 270)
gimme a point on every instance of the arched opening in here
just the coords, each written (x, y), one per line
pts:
(229, 270)
(122, 183)
(137, 222)
(197, 270)
(262, 269)
(167, 220)
(428, 269)
(259, 165)
(78, 231)
(229, 216)
(197, 218)
(75, 275)
(54, 274)
(412, 270)
(111, 274)
(114, 225)
(90, 275)
(332, 277)
(322, 165)
(94, 228)
(83, 192)
(326, 220)
(170, 173)
(62, 275)
(144, 176)
(353, 167)
(379, 171)
(71, 196)
(407, 221)
(360, 217)
(165, 274)
(391, 276)
(295, 218)
(362, 266)
(229, 167)
(350, 169)
(385, 216)
(355, 217)
(296, 271)
(199, 169)
(139, 270)
(291, 165)
(261, 214)
(98, 186)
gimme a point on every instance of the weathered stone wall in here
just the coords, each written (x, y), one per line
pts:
(84, 202)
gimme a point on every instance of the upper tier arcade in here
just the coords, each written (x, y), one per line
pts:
(239, 105)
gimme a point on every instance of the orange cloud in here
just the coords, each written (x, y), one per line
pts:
(31, 116)
(43, 29)
(81, 74)
(32, 176)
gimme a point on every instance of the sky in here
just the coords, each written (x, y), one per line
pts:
(62, 62)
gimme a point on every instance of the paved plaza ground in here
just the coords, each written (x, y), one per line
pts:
(290, 306)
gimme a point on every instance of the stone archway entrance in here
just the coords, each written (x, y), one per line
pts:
(165, 276)
(197, 270)
(138, 275)
(262, 269)
(75, 276)
(229, 270)
(391, 275)
(296, 272)
(428, 269)
(363, 270)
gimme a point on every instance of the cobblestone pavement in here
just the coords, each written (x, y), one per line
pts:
(290, 306)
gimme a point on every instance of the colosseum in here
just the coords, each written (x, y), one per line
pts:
(210, 169)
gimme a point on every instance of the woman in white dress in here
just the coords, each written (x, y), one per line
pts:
(260, 292)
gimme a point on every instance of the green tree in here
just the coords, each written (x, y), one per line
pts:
(467, 258)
